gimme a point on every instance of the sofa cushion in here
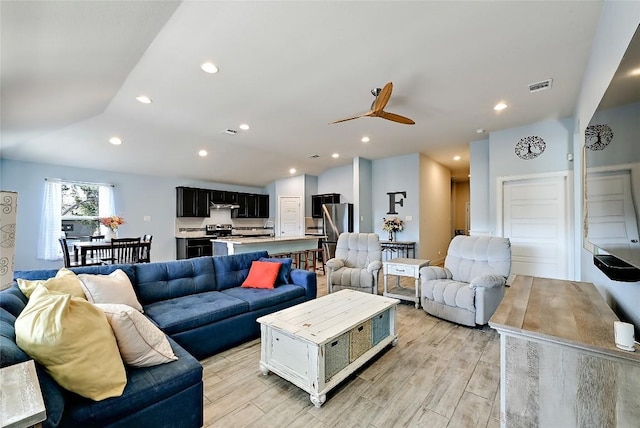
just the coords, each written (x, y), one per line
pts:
(169, 280)
(113, 288)
(145, 386)
(263, 298)
(73, 340)
(284, 275)
(189, 312)
(65, 281)
(140, 342)
(94, 270)
(262, 275)
(231, 271)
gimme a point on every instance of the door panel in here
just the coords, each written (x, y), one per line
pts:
(290, 222)
(535, 220)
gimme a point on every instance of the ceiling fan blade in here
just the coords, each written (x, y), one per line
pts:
(395, 117)
(383, 97)
(369, 113)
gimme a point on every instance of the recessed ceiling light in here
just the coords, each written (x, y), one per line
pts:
(202, 153)
(209, 67)
(500, 106)
(144, 99)
(244, 126)
(365, 139)
(479, 131)
(335, 155)
(115, 141)
(456, 158)
(292, 171)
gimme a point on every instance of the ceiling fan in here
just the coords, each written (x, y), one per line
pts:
(377, 107)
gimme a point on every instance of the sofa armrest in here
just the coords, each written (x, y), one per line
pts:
(374, 267)
(306, 279)
(334, 264)
(435, 272)
(487, 281)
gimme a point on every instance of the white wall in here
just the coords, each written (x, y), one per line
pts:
(136, 196)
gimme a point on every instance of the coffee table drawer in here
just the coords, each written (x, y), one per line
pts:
(380, 327)
(359, 340)
(336, 356)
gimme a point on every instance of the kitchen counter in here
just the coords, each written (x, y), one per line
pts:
(279, 244)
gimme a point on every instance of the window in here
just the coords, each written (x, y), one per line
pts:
(71, 209)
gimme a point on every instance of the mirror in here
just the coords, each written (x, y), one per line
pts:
(612, 162)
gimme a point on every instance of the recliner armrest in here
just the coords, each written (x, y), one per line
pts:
(435, 272)
(334, 264)
(374, 266)
(488, 281)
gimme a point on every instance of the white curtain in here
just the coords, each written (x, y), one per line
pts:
(106, 204)
(51, 222)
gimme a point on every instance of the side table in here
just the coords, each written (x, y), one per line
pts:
(21, 403)
(404, 267)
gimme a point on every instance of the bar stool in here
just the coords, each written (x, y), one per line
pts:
(315, 255)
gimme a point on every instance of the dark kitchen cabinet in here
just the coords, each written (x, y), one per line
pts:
(187, 248)
(192, 202)
(223, 197)
(318, 200)
(251, 206)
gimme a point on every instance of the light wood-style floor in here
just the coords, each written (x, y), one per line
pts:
(439, 375)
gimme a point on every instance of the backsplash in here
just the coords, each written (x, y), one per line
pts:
(196, 225)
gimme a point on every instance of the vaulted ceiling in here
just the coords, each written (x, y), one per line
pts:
(71, 72)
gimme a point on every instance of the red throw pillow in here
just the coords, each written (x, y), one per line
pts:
(262, 275)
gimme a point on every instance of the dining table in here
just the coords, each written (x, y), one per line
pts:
(80, 249)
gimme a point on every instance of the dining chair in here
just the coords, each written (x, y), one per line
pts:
(125, 250)
(66, 257)
(145, 250)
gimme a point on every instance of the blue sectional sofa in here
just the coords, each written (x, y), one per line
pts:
(198, 303)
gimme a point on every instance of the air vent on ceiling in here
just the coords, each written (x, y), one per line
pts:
(313, 156)
(230, 131)
(540, 86)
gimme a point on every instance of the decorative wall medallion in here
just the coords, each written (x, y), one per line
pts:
(597, 137)
(530, 147)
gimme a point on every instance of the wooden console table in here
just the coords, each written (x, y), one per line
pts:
(393, 249)
(559, 366)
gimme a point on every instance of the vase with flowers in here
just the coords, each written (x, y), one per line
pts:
(111, 223)
(392, 225)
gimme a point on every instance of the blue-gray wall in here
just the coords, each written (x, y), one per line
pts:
(136, 196)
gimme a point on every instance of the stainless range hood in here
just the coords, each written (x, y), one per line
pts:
(224, 206)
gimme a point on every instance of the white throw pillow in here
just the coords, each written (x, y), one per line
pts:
(141, 343)
(113, 288)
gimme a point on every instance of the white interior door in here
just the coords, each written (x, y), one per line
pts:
(611, 212)
(290, 220)
(535, 219)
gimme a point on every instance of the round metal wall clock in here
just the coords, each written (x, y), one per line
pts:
(530, 147)
(597, 137)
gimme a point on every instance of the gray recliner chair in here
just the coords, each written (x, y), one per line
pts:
(356, 264)
(472, 283)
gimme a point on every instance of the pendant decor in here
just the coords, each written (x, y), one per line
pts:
(597, 137)
(530, 147)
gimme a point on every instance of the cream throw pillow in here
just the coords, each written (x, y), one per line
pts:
(113, 288)
(65, 281)
(141, 343)
(72, 339)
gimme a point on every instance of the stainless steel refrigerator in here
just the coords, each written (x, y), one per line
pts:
(337, 218)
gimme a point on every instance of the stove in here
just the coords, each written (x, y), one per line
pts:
(218, 230)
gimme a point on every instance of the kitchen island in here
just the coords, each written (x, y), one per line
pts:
(273, 245)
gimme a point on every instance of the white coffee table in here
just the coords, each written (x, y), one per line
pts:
(317, 344)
